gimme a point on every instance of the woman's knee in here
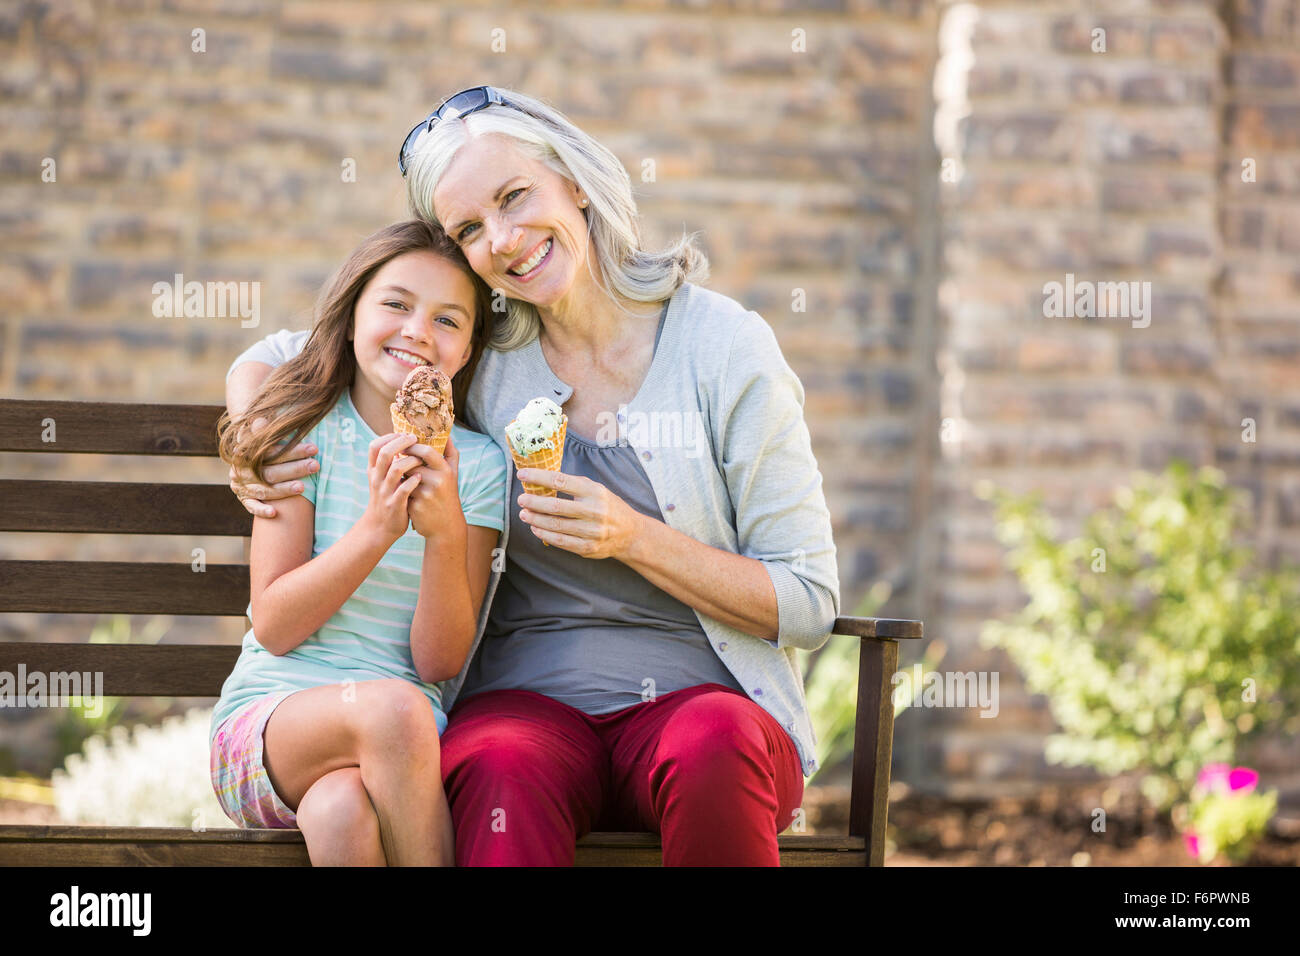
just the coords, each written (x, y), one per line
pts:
(338, 802)
(712, 732)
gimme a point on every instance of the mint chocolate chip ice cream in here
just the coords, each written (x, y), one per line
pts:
(535, 426)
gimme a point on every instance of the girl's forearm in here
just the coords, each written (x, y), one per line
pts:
(298, 603)
(728, 587)
(444, 623)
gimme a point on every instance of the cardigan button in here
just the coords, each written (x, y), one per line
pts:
(645, 455)
(722, 646)
(672, 507)
(758, 692)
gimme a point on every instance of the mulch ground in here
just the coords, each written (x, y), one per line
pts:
(1053, 827)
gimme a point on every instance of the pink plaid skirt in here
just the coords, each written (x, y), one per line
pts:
(239, 777)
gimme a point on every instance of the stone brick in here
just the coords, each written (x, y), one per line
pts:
(1193, 40)
(32, 284)
(1263, 126)
(1165, 358)
(1161, 87)
(1242, 227)
(318, 65)
(1026, 136)
(1262, 19)
(1288, 503)
(1272, 71)
(1190, 407)
(1041, 353)
(1146, 191)
(1155, 454)
(1177, 246)
(1124, 35)
(1179, 140)
(97, 286)
(1043, 449)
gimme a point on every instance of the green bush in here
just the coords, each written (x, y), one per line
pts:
(1160, 645)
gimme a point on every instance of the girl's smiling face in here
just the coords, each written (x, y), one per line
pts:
(417, 309)
(517, 220)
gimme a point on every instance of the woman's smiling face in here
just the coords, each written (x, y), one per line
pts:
(517, 220)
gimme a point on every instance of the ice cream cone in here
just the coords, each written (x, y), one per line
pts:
(548, 459)
(436, 440)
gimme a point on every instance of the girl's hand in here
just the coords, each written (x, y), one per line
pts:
(295, 462)
(596, 524)
(434, 506)
(390, 485)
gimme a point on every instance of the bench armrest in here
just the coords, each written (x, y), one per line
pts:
(873, 735)
(883, 628)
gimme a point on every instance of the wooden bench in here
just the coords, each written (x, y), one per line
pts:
(85, 587)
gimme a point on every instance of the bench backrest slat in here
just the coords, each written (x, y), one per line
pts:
(117, 507)
(123, 587)
(112, 428)
(130, 670)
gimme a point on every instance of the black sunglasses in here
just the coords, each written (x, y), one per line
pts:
(461, 104)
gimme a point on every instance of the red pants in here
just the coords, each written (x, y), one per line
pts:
(705, 767)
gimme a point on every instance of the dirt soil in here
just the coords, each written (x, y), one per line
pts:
(1053, 827)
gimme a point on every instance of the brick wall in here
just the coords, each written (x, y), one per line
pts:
(1114, 164)
(926, 358)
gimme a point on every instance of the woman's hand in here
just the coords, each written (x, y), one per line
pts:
(596, 524)
(295, 462)
(390, 484)
(434, 506)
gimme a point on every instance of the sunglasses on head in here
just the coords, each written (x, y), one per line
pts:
(461, 104)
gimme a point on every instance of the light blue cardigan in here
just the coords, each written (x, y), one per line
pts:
(718, 426)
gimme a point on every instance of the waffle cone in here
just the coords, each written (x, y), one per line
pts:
(548, 459)
(437, 440)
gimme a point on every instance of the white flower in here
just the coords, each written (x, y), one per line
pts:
(156, 777)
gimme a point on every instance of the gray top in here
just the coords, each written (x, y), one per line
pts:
(592, 634)
(719, 430)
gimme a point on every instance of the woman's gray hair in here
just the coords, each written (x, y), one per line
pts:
(548, 136)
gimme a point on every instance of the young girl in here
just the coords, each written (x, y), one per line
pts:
(366, 590)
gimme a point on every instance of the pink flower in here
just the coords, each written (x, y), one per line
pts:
(1213, 776)
(1220, 778)
(1242, 778)
(1192, 843)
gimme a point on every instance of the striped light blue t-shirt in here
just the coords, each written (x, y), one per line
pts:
(369, 637)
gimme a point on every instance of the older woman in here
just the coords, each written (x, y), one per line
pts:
(634, 666)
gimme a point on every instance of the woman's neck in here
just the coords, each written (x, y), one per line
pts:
(587, 321)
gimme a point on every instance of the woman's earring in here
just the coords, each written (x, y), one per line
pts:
(584, 202)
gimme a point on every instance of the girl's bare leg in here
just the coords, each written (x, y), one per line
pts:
(339, 822)
(387, 730)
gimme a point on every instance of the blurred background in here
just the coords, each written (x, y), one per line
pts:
(893, 185)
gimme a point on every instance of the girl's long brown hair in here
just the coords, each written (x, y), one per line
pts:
(300, 392)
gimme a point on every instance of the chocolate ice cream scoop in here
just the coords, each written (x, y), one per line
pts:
(425, 401)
